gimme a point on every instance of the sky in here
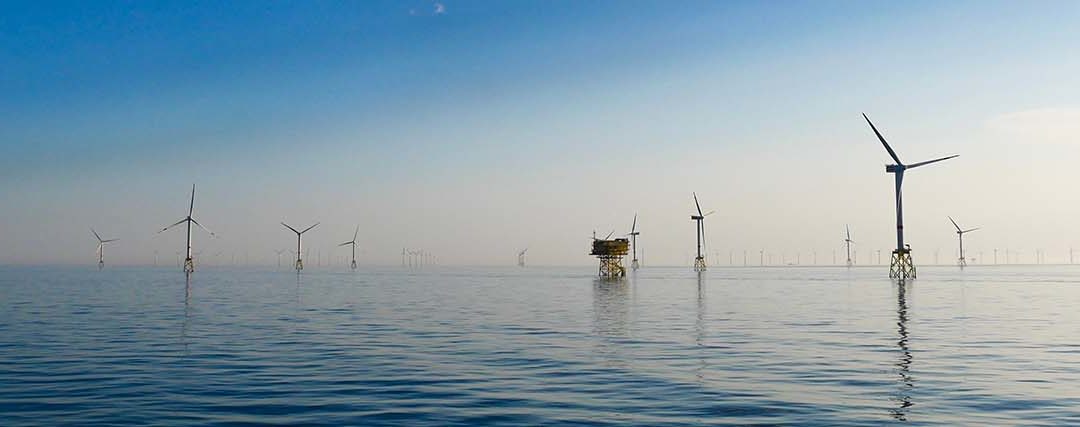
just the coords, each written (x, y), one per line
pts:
(475, 129)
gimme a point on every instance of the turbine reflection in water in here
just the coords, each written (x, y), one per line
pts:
(903, 365)
(699, 328)
(611, 319)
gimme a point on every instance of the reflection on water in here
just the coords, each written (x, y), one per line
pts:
(699, 329)
(903, 365)
(611, 321)
(739, 346)
(610, 307)
(187, 316)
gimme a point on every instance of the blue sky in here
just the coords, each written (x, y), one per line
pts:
(510, 124)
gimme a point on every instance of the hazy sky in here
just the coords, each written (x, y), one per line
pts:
(473, 129)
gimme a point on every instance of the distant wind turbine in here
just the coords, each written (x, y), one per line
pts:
(521, 257)
(353, 244)
(901, 266)
(299, 260)
(101, 248)
(847, 244)
(960, 235)
(699, 261)
(189, 262)
(633, 243)
(279, 252)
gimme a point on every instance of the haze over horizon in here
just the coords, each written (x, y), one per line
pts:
(475, 129)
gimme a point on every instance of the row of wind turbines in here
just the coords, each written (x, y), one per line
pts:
(901, 265)
(189, 260)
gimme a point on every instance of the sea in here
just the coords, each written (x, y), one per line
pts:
(547, 346)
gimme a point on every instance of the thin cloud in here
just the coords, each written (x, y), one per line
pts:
(440, 8)
(1039, 125)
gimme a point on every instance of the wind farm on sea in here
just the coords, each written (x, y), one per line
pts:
(610, 252)
(597, 213)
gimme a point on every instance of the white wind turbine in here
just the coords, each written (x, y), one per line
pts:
(299, 261)
(101, 248)
(633, 242)
(699, 261)
(847, 244)
(353, 244)
(960, 235)
(189, 262)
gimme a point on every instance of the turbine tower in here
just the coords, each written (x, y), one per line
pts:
(901, 267)
(353, 244)
(299, 261)
(189, 262)
(847, 244)
(633, 243)
(101, 248)
(699, 261)
(521, 257)
(960, 235)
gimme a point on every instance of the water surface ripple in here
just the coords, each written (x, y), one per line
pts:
(538, 346)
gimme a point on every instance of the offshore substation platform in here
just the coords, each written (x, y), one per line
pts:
(610, 254)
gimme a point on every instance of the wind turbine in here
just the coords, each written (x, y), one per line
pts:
(521, 257)
(847, 244)
(901, 266)
(633, 242)
(353, 243)
(279, 252)
(101, 248)
(960, 235)
(299, 261)
(189, 263)
(699, 262)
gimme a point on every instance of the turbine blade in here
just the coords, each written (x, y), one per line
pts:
(98, 250)
(110, 240)
(704, 248)
(931, 161)
(609, 234)
(356, 233)
(971, 229)
(954, 224)
(95, 234)
(204, 228)
(698, 205)
(293, 229)
(346, 243)
(192, 207)
(174, 225)
(710, 213)
(306, 229)
(882, 139)
(633, 226)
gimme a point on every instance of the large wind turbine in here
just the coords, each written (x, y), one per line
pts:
(299, 260)
(960, 235)
(901, 266)
(521, 257)
(847, 244)
(352, 243)
(633, 243)
(699, 261)
(101, 248)
(189, 263)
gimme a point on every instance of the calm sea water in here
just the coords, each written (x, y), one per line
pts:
(538, 346)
